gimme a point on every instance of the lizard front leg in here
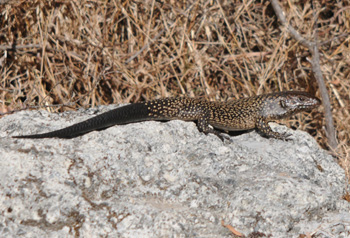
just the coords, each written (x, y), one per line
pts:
(263, 127)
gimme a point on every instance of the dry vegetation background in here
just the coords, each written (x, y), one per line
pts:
(86, 53)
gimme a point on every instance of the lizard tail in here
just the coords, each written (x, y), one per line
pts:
(126, 114)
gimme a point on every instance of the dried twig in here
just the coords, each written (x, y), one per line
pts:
(315, 62)
(4, 1)
(12, 47)
(145, 47)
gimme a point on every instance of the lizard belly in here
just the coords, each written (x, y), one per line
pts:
(241, 126)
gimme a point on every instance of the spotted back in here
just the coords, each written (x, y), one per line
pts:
(181, 108)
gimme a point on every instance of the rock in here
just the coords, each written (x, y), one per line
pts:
(155, 179)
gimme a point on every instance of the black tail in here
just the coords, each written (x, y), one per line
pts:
(127, 114)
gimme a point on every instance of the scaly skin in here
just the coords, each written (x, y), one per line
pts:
(242, 114)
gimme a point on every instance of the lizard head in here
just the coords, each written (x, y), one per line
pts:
(284, 104)
(299, 101)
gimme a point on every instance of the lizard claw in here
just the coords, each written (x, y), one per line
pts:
(224, 137)
(285, 136)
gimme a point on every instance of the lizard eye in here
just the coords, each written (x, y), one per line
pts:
(283, 104)
(301, 99)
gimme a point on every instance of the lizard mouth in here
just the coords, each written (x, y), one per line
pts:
(310, 106)
(315, 103)
(306, 101)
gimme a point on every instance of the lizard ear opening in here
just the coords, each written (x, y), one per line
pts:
(283, 104)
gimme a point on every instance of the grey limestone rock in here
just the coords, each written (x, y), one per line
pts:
(155, 179)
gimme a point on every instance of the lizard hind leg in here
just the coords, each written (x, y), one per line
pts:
(203, 126)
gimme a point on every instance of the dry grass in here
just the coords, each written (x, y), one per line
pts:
(87, 53)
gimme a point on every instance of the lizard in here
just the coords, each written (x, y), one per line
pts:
(212, 117)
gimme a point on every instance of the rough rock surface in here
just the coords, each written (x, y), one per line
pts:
(155, 179)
